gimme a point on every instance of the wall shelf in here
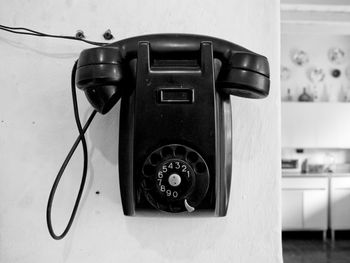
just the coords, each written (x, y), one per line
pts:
(323, 103)
(314, 175)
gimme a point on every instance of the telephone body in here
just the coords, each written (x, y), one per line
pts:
(175, 142)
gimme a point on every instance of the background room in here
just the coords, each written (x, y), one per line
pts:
(315, 95)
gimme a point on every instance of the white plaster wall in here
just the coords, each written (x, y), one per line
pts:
(37, 129)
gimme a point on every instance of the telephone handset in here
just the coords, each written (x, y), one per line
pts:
(175, 119)
(242, 72)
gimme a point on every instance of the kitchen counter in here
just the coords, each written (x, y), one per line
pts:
(313, 175)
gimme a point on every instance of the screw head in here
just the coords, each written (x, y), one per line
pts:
(108, 35)
(80, 34)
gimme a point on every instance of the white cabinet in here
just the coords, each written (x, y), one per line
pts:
(315, 125)
(308, 203)
(292, 209)
(305, 203)
(315, 208)
(340, 203)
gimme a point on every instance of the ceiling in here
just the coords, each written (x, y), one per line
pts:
(315, 16)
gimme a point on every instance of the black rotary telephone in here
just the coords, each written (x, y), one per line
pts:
(175, 117)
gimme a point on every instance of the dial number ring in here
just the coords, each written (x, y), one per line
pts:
(170, 168)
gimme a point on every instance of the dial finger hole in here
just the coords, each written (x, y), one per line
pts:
(149, 170)
(200, 167)
(192, 157)
(155, 158)
(146, 185)
(180, 151)
(167, 151)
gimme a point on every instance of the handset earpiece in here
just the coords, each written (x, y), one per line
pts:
(99, 74)
(245, 74)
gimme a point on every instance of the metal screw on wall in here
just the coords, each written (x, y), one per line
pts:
(108, 35)
(80, 34)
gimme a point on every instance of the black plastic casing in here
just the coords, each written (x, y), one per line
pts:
(147, 124)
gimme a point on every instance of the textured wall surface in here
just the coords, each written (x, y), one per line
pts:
(37, 129)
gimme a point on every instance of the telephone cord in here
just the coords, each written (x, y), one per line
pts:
(26, 31)
(81, 138)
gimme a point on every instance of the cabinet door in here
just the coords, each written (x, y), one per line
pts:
(340, 200)
(292, 209)
(340, 209)
(315, 205)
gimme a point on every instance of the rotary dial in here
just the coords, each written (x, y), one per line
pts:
(175, 178)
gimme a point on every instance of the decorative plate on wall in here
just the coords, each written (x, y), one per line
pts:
(285, 73)
(300, 57)
(335, 73)
(316, 75)
(336, 55)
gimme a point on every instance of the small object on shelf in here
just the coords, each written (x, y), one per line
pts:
(336, 73)
(328, 170)
(289, 163)
(329, 163)
(316, 75)
(300, 57)
(285, 73)
(324, 95)
(336, 55)
(291, 166)
(304, 167)
(342, 95)
(289, 96)
(315, 92)
(315, 168)
(347, 94)
(305, 97)
(347, 72)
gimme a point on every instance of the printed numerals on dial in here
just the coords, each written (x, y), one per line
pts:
(173, 178)
(177, 166)
(162, 187)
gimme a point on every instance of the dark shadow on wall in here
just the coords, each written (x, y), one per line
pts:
(104, 134)
(104, 138)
